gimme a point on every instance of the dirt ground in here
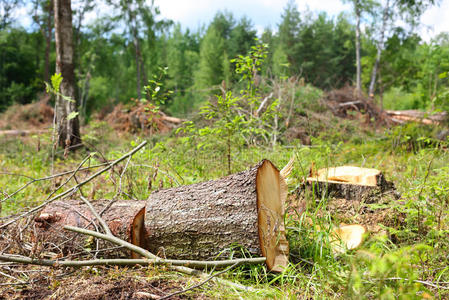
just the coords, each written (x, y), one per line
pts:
(94, 283)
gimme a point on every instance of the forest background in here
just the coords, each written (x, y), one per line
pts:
(116, 54)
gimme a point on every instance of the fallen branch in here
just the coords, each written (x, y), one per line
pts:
(21, 132)
(149, 255)
(76, 187)
(130, 262)
(33, 180)
(97, 216)
(403, 116)
(263, 104)
(351, 103)
(115, 240)
(428, 283)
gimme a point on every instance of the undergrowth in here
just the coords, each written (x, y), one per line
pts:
(406, 261)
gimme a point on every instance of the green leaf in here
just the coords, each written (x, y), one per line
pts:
(56, 80)
(72, 115)
(442, 75)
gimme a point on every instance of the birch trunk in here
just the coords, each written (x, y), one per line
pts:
(380, 46)
(357, 48)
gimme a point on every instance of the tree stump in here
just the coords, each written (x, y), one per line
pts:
(348, 182)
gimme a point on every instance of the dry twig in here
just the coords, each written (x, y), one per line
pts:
(76, 187)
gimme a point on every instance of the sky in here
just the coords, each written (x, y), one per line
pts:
(263, 13)
(267, 13)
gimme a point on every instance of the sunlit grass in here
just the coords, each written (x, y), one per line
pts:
(377, 269)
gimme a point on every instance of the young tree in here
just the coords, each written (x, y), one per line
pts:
(359, 6)
(66, 110)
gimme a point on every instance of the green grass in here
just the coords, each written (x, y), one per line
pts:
(397, 99)
(386, 266)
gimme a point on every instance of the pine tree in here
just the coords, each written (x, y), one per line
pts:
(210, 71)
(289, 36)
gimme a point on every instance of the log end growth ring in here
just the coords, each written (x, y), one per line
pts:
(271, 195)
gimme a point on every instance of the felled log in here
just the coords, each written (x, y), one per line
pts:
(403, 116)
(198, 221)
(348, 182)
(124, 218)
(21, 132)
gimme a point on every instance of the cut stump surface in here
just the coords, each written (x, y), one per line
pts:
(348, 182)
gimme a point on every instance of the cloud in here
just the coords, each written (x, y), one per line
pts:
(435, 20)
(263, 13)
(267, 13)
(191, 14)
(332, 8)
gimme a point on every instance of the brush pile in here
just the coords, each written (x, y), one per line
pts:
(141, 117)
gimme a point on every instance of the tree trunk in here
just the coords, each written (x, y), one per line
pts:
(122, 218)
(381, 92)
(133, 28)
(380, 46)
(138, 67)
(68, 128)
(48, 35)
(357, 48)
(200, 221)
(46, 28)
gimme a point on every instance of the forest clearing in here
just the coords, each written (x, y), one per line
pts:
(141, 160)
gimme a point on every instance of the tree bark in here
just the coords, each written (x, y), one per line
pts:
(198, 221)
(48, 35)
(357, 47)
(46, 28)
(380, 46)
(122, 217)
(68, 128)
(133, 29)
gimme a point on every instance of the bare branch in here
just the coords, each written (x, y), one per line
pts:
(261, 106)
(147, 254)
(76, 187)
(130, 262)
(115, 240)
(96, 215)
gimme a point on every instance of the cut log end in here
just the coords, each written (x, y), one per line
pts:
(138, 231)
(271, 193)
(347, 237)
